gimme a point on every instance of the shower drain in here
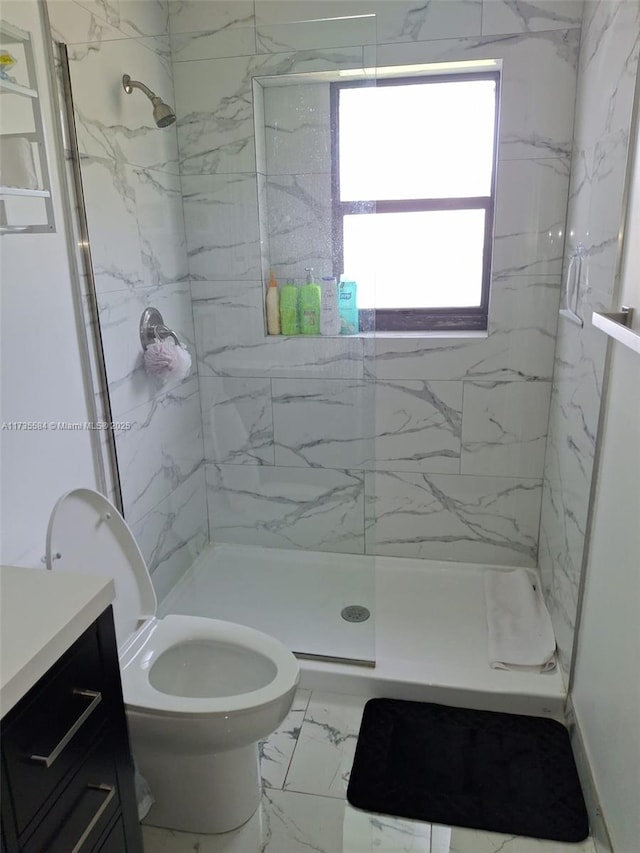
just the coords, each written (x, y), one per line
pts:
(355, 613)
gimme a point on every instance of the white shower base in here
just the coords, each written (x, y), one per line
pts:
(427, 633)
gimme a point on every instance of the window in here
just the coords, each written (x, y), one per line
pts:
(413, 175)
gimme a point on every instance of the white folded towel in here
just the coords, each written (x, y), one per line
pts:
(17, 164)
(520, 631)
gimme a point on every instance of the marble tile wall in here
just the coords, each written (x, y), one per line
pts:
(427, 446)
(130, 174)
(606, 81)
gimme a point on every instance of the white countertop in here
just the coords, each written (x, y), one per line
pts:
(42, 614)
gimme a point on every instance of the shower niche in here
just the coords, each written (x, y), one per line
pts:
(293, 163)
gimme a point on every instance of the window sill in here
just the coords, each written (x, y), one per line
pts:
(426, 334)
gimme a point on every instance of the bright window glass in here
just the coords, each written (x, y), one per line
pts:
(417, 140)
(425, 259)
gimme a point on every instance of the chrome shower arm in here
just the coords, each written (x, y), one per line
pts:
(129, 85)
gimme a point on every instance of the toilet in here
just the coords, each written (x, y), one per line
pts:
(199, 693)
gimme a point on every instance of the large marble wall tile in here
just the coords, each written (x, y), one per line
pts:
(72, 23)
(504, 428)
(110, 198)
(297, 123)
(529, 236)
(231, 339)
(607, 176)
(174, 533)
(237, 420)
(187, 16)
(299, 225)
(341, 31)
(314, 509)
(215, 116)
(417, 426)
(112, 124)
(532, 125)
(406, 21)
(120, 312)
(562, 533)
(146, 247)
(509, 355)
(144, 17)
(159, 211)
(226, 314)
(313, 358)
(132, 17)
(221, 221)
(270, 13)
(325, 423)
(527, 303)
(213, 44)
(510, 16)
(302, 61)
(448, 517)
(162, 449)
(608, 61)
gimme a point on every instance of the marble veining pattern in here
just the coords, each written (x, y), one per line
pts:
(608, 63)
(305, 767)
(135, 217)
(162, 449)
(281, 507)
(354, 405)
(505, 428)
(477, 519)
(120, 312)
(174, 532)
(237, 420)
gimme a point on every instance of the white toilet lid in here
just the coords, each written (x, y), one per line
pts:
(92, 538)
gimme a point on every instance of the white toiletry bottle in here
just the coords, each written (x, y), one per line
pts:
(329, 315)
(273, 307)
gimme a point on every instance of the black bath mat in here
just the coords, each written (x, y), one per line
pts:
(480, 769)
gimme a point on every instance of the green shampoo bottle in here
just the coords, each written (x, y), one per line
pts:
(289, 321)
(310, 301)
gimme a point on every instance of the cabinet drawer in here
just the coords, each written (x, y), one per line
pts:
(82, 813)
(116, 841)
(49, 737)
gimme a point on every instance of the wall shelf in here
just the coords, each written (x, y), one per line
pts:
(24, 192)
(17, 89)
(23, 209)
(614, 325)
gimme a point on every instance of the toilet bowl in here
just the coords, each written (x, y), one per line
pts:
(199, 693)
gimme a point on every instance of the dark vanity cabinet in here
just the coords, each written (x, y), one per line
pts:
(67, 773)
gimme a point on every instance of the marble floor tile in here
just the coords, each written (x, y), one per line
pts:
(324, 753)
(285, 822)
(311, 814)
(447, 839)
(277, 749)
(365, 832)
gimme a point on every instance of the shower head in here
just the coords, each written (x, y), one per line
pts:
(163, 115)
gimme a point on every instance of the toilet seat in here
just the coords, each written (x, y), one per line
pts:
(159, 635)
(87, 534)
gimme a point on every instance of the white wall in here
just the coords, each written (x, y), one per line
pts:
(40, 357)
(606, 692)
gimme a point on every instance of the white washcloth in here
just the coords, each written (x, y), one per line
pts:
(520, 632)
(17, 165)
